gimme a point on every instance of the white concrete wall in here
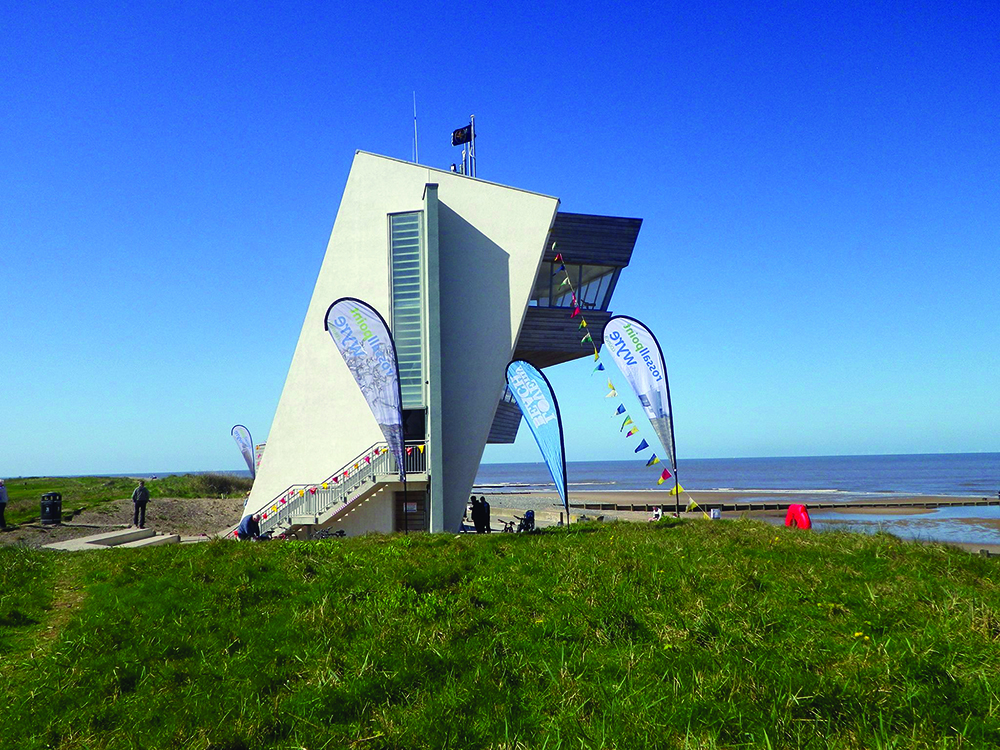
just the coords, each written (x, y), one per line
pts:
(491, 243)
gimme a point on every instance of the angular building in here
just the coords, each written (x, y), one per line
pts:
(462, 271)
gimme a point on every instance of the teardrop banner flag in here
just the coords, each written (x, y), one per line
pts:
(362, 337)
(637, 353)
(534, 395)
(242, 437)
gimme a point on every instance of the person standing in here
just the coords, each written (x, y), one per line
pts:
(477, 515)
(487, 527)
(140, 496)
(3, 506)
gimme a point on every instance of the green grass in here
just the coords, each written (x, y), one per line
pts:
(697, 635)
(25, 494)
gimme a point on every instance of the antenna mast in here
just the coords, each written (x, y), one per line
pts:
(416, 157)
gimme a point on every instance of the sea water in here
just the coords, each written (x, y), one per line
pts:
(810, 479)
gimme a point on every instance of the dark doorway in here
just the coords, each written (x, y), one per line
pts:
(410, 511)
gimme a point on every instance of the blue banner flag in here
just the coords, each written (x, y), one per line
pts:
(534, 395)
(362, 337)
(242, 437)
(642, 446)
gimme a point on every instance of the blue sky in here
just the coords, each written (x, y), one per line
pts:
(818, 183)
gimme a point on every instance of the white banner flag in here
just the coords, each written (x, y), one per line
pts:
(363, 338)
(637, 353)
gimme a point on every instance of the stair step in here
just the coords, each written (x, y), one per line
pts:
(151, 541)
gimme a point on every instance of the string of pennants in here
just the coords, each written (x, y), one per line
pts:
(612, 390)
(345, 474)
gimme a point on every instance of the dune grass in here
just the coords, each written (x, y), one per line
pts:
(25, 493)
(697, 634)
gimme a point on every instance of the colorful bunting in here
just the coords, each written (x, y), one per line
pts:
(599, 367)
(596, 357)
(653, 460)
(583, 323)
(355, 467)
(587, 339)
(558, 255)
(676, 490)
(632, 432)
(612, 394)
(642, 446)
(421, 448)
(626, 423)
(336, 481)
(564, 282)
(368, 459)
(326, 486)
(663, 477)
(312, 490)
(409, 450)
(302, 493)
(283, 501)
(576, 311)
(621, 409)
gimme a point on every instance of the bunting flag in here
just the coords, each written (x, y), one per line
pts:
(558, 257)
(362, 337)
(596, 357)
(620, 409)
(677, 490)
(587, 339)
(632, 432)
(653, 460)
(612, 394)
(628, 421)
(355, 467)
(600, 367)
(368, 459)
(242, 437)
(409, 450)
(664, 476)
(327, 486)
(533, 394)
(642, 446)
(565, 282)
(420, 448)
(576, 311)
(611, 386)
(583, 323)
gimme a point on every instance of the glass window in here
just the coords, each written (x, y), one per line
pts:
(594, 284)
(406, 261)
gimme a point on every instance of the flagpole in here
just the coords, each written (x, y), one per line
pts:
(472, 144)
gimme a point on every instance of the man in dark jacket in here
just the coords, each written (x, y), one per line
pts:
(249, 529)
(140, 496)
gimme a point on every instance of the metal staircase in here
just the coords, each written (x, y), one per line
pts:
(321, 502)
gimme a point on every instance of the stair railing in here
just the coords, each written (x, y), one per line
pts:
(340, 488)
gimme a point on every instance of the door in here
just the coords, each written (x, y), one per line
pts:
(410, 511)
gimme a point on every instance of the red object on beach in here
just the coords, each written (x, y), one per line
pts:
(798, 517)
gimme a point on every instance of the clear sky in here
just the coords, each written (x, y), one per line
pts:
(819, 183)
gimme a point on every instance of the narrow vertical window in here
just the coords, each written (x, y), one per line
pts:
(406, 262)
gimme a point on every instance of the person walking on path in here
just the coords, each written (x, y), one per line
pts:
(140, 496)
(3, 506)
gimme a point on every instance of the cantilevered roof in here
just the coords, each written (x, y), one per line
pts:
(593, 240)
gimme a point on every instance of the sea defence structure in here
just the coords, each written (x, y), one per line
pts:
(463, 272)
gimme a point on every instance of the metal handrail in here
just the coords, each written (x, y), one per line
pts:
(340, 488)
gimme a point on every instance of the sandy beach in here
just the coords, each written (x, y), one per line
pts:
(548, 511)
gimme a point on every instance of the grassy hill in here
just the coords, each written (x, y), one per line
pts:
(25, 493)
(698, 634)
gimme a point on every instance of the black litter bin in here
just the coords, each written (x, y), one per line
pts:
(51, 508)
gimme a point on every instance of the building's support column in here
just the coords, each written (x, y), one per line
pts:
(432, 287)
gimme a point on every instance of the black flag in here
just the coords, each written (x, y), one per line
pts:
(462, 135)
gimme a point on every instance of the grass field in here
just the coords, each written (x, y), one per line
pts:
(692, 635)
(25, 494)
